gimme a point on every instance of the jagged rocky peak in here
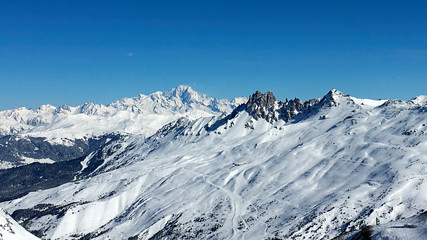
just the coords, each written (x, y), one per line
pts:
(262, 105)
(332, 97)
(289, 109)
(265, 106)
(63, 109)
(259, 99)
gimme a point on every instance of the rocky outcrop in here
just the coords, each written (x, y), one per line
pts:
(262, 105)
(288, 110)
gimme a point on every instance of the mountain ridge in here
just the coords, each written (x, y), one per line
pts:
(145, 114)
(309, 177)
(332, 167)
(179, 101)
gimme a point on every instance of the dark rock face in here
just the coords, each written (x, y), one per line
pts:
(329, 98)
(259, 99)
(288, 110)
(262, 106)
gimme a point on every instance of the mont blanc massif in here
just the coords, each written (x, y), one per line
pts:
(182, 165)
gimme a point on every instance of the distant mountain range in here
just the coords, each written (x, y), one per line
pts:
(181, 165)
(142, 114)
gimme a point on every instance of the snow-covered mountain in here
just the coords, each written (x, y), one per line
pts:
(10, 229)
(52, 134)
(143, 114)
(335, 167)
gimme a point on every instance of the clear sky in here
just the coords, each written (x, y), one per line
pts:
(76, 51)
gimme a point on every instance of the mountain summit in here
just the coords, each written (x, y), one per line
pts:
(265, 106)
(336, 167)
(262, 105)
(142, 114)
(181, 99)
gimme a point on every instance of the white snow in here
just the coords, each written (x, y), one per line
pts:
(311, 178)
(422, 100)
(143, 114)
(368, 102)
(11, 230)
(86, 161)
(29, 160)
(155, 228)
(6, 165)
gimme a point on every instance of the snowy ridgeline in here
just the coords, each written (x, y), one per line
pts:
(332, 167)
(143, 114)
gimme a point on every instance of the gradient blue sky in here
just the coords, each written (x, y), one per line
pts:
(99, 51)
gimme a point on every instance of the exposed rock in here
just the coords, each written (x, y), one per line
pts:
(289, 109)
(262, 106)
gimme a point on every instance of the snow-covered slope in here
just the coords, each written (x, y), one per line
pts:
(402, 229)
(143, 114)
(269, 170)
(10, 229)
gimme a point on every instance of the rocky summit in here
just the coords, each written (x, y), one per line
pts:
(262, 106)
(181, 165)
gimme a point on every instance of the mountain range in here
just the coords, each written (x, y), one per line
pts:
(142, 114)
(181, 165)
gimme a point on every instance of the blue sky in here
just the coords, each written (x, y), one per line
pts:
(73, 52)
